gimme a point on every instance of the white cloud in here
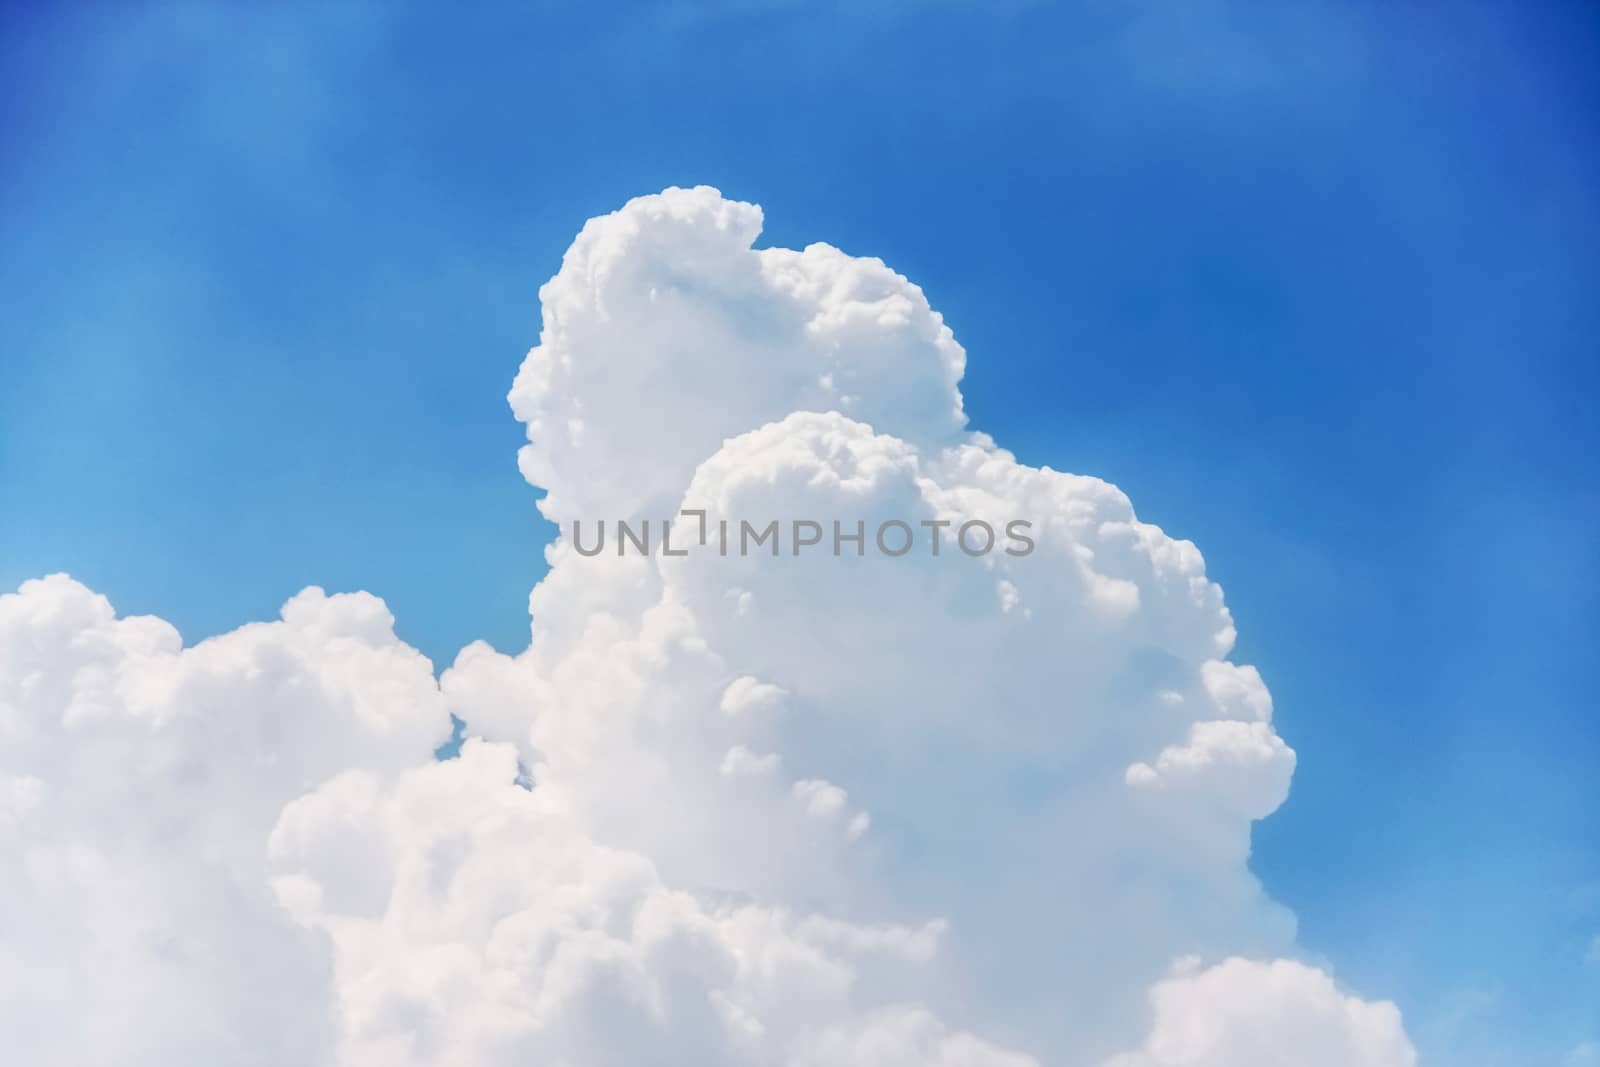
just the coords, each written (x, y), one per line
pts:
(1242, 1013)
(142, 780)
(665, 333)
(1241, 764)
(793, 811)
(472, 925)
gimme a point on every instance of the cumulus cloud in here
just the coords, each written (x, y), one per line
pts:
(665, 333)
(138, 783)
(1242, 1013)
(473, 925)
(788, 811)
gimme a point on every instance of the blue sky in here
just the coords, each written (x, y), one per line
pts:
(1314, 284)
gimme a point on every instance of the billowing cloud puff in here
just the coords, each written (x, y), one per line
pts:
(472, 925)
(665, 332)
(1249, 1014)
(787, 808)
(138, 783)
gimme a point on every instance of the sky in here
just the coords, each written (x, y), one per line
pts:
(1314, 285)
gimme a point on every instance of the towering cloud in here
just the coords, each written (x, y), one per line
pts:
(786, 810)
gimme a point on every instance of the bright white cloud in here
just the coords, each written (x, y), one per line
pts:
(475, 926)
(1242, 1013)
(665, 333)
(784, 811)
(138, 783)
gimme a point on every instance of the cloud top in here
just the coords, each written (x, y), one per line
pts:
(631, 385)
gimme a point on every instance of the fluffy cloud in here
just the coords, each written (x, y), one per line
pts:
(787, 811)
(474, 925)
(1247, 1014)
(138, 783)
(665, 333)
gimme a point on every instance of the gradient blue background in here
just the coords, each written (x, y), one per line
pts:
(1318, 285)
